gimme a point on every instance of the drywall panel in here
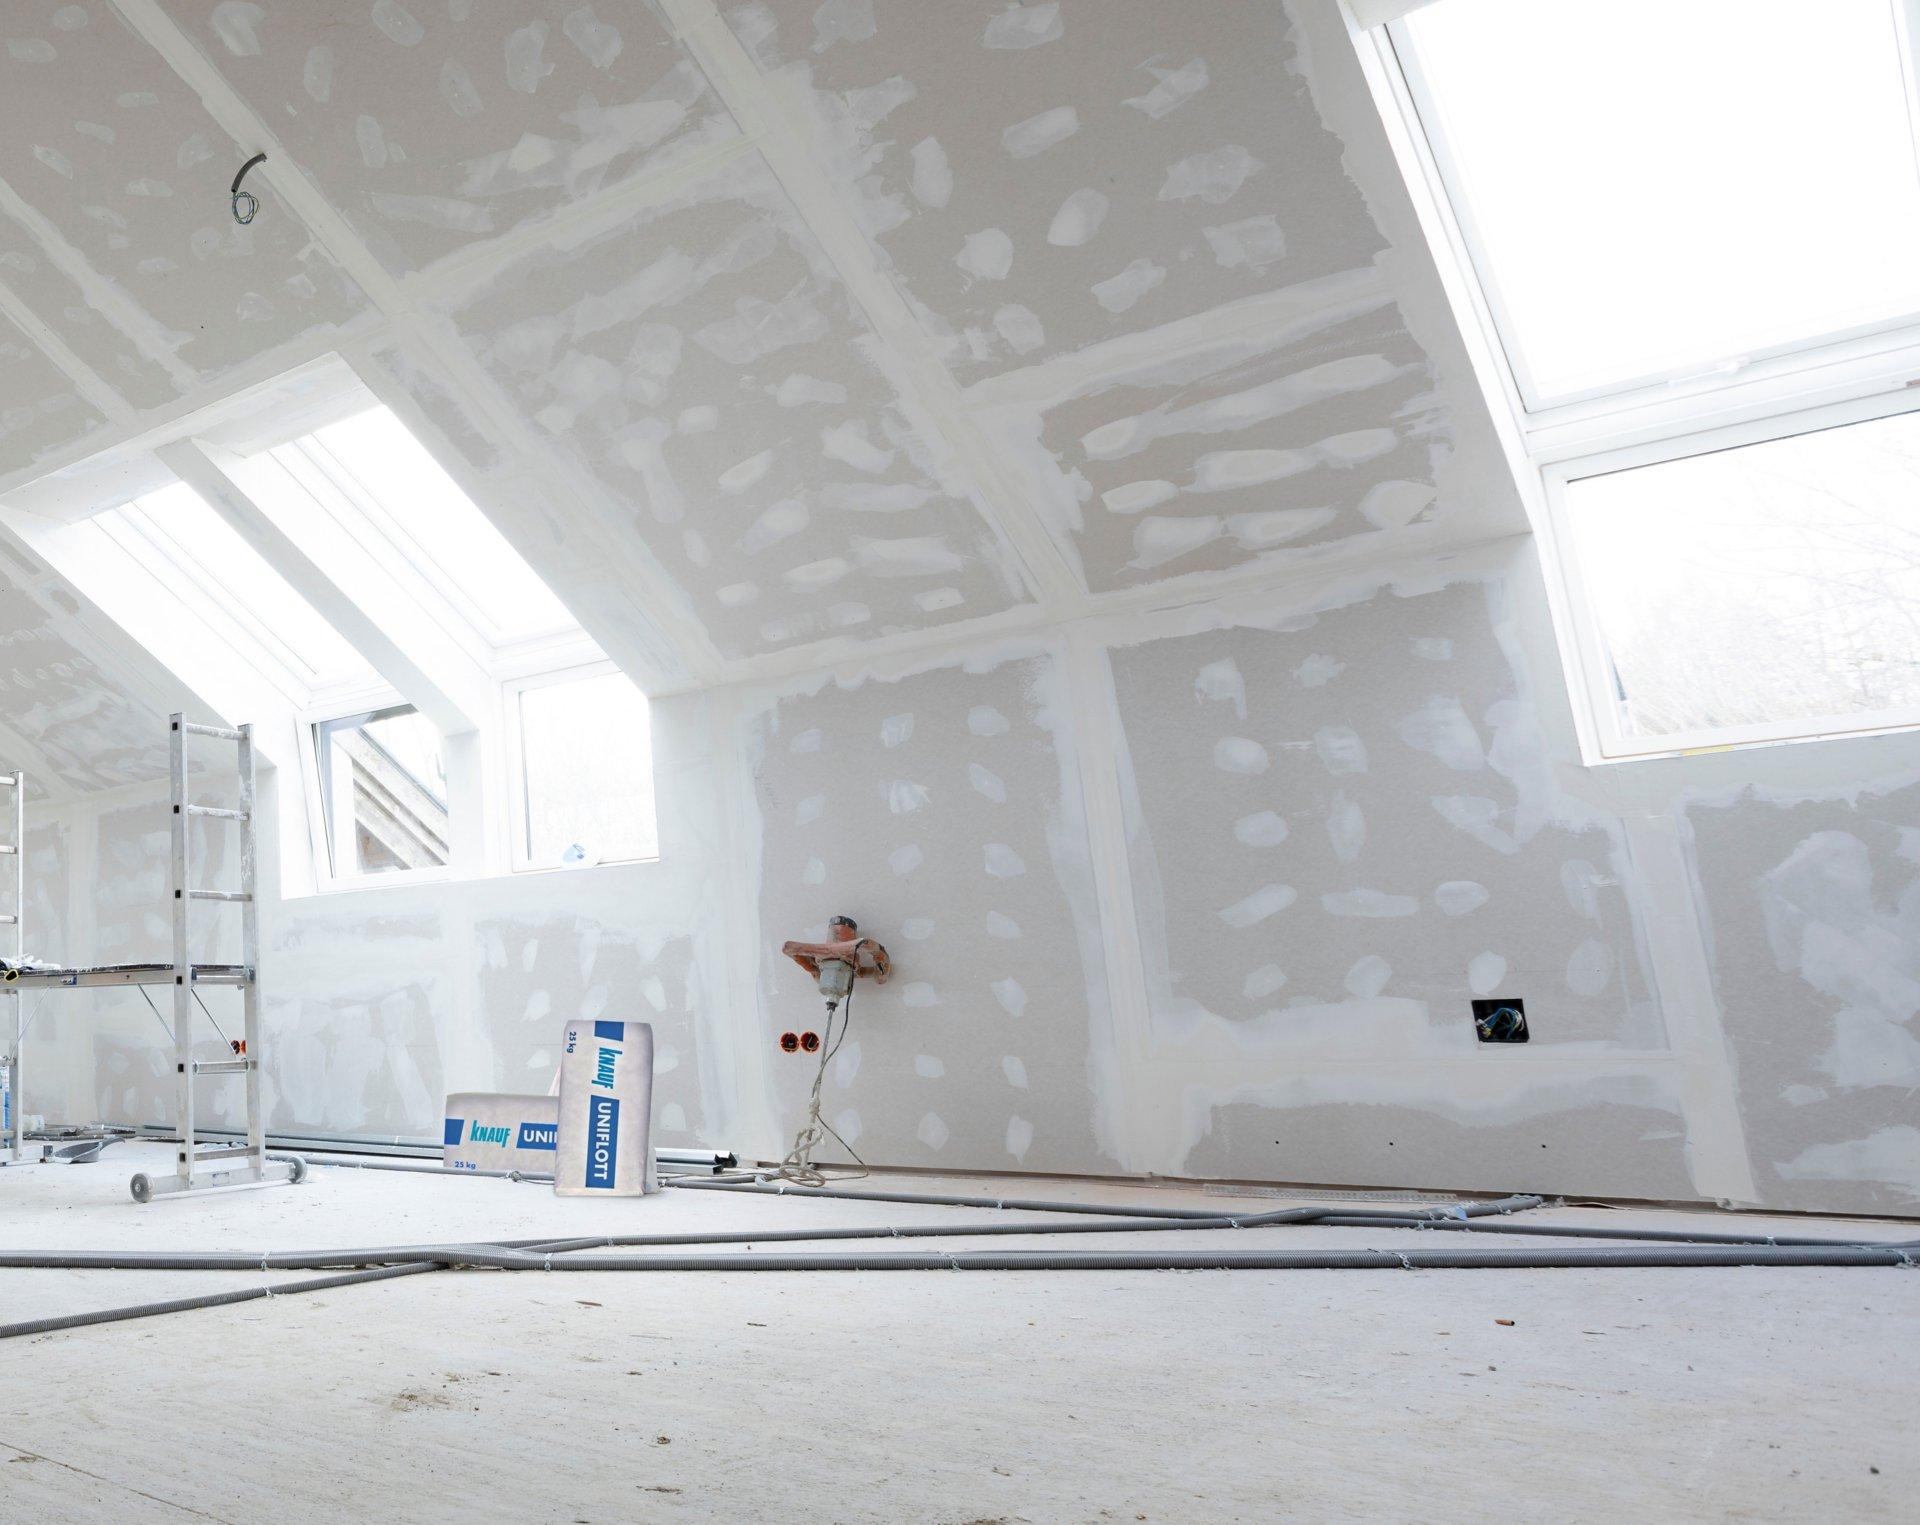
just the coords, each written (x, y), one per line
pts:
(436, 125)
(57, 700)
(538, 974)
(91, 334)
(705, 365)
(941, 810)
(1306, 420)
(1344, 829)
(1812, 906)
(1044, 176)
(122, 176)
(1607, 1136)
(39, 409)
(359, 1004)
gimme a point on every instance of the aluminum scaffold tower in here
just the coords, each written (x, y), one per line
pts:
(187, 977)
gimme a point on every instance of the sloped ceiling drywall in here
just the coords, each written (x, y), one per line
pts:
(768, 330)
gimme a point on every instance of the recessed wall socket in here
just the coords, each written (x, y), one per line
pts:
(1502, 1020)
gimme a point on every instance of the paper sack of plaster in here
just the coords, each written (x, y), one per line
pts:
(488, 1131)
(606, 1105)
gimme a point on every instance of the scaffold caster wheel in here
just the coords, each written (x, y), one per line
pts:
(298, 1172)
(142, 1188)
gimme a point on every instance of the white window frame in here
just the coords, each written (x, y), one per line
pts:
(313, 787)
(1615, 741)
(1826, 381)
(520, 858)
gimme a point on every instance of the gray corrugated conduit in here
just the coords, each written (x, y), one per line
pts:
(1655, 1247)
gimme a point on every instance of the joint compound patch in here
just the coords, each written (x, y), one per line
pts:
(603, 1145)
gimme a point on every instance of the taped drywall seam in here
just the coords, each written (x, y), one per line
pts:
(781, 128)
(1717, 1154)
(662, 599)
(1210, 339)
(573, 222)
(1120, 1056)
(86, 381)
(104, 296)
(1354, 562)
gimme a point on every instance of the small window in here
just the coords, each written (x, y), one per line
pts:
(1651, 188)
(1762, 591)
(383, 792)
(586, 765)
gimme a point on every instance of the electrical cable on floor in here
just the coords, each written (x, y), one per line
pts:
(378, 1263)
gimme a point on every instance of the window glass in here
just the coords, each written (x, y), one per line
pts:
(1768, 583)
(176, 536)
(383, 791)
(1651, 186)
(437, 525)
(587, 759)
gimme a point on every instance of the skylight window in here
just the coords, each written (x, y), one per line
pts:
(378, 483)
(1651, 189)
(309, 566)
(176, 537)
(1764, 590)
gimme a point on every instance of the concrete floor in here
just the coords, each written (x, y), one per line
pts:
(1775, 1394)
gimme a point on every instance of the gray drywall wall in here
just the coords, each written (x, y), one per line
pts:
(378, 1003)
(787, 340)
(1343, 831)
(1812, 908)
(941, 809)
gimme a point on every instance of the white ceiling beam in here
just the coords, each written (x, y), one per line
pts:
(437, 678)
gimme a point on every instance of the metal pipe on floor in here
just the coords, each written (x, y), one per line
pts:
(250, 1294)
(1570, 1231)
(204, 1300)
(1489, 1207)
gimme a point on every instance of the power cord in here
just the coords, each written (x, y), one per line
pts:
(798, 1166)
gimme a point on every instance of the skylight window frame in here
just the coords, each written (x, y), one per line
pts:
(1613, 740)
(469, 623)
(1418, 109)
(1823, 382)
(142, 534)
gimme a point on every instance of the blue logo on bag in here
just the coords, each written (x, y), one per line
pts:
(537, 1136)
(617, 1031)
(454, 1125)
(603, 1141)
